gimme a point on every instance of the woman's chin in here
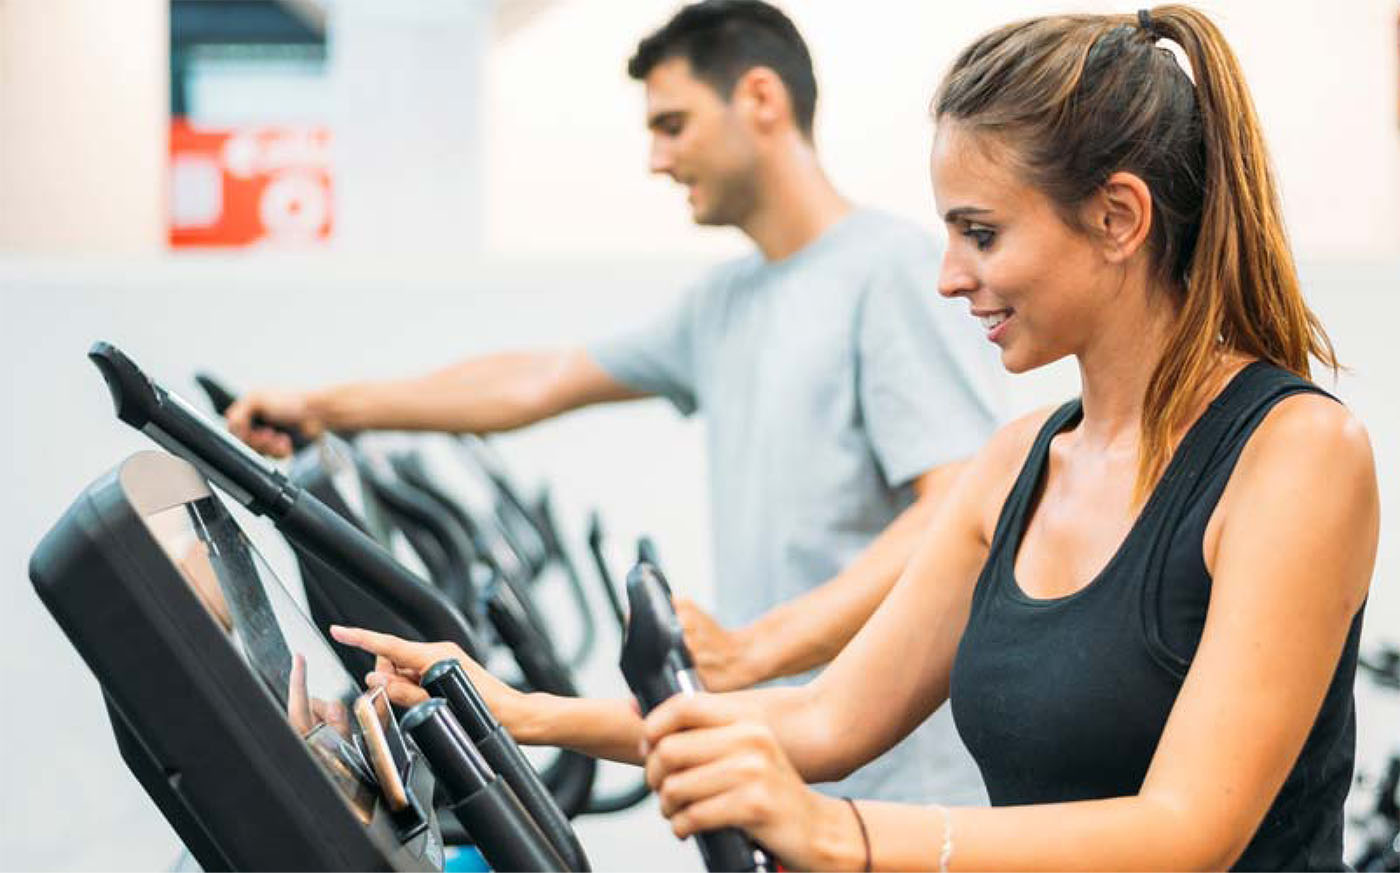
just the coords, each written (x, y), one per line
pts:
(1018, 360)
(1014, 363)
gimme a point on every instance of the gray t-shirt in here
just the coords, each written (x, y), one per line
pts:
(829, 381)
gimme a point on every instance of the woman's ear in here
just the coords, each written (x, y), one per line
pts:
(1120, 216)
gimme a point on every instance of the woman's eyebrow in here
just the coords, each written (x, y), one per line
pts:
(958, 212)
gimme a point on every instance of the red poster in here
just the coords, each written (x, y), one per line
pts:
(249, 186)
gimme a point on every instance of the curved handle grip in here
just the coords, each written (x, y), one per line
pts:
(646, 553)
(657, 665)
(136, 399)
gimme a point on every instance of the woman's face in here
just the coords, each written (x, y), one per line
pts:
(1039, 287)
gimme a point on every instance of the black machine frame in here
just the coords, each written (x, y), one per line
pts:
(222, 764)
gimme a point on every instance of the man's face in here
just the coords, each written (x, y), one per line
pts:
(702, 141)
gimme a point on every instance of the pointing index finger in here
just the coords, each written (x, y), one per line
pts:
(398, 650)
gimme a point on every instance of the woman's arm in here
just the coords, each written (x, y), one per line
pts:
(1297, 533)
(855, 710)
(808, 631)
(602, 728)
(895, 671)
(822, 734)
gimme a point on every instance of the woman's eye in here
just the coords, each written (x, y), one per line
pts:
(982, 237)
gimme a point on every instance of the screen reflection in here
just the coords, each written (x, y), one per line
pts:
(282, 648)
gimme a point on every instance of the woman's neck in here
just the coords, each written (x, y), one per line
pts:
(1116, 367)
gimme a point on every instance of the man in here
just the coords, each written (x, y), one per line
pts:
(836, 388)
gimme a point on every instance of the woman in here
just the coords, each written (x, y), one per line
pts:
(1145, 603)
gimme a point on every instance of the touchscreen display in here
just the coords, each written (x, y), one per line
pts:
(281, 646)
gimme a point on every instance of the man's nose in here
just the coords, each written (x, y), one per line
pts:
(660, 159)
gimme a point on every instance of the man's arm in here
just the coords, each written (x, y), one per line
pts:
(492, 393)
(811, 630)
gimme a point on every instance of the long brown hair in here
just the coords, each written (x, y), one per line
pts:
(1077, 98)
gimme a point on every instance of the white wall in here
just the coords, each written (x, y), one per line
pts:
(567, 148)
(82, 144)
(407, 124)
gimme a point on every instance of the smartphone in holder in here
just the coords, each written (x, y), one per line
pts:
(387, 752)
(388, 755)
(398, 747)
(379, 746)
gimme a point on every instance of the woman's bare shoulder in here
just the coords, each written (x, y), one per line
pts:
(993, 471)
(1309, 429)
(1305, 486)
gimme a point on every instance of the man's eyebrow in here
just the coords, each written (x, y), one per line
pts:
(665, 115)
(958, 212)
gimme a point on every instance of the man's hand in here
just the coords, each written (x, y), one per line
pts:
(725, 659)
(287, 408)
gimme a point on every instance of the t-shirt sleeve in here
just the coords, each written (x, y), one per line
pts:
(659, 357)
(929, 382)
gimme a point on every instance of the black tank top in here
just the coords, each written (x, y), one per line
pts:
(1065, 699)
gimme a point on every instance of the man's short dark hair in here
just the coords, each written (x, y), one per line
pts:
(724, 39)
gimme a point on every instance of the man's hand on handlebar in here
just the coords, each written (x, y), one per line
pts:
(249, 415)
(722, 657)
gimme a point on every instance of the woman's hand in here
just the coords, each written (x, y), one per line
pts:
(713, 766)
(400, 665)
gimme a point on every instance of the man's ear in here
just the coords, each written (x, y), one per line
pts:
(761, 97)
(1120, 215)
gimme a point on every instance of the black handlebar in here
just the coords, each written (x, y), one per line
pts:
(657, 665)
(1383, 666)
(309, 523)
(600, 564)
(446, 680)
(509, 839)
(180, 429)
(646, 552)
(221, 398)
